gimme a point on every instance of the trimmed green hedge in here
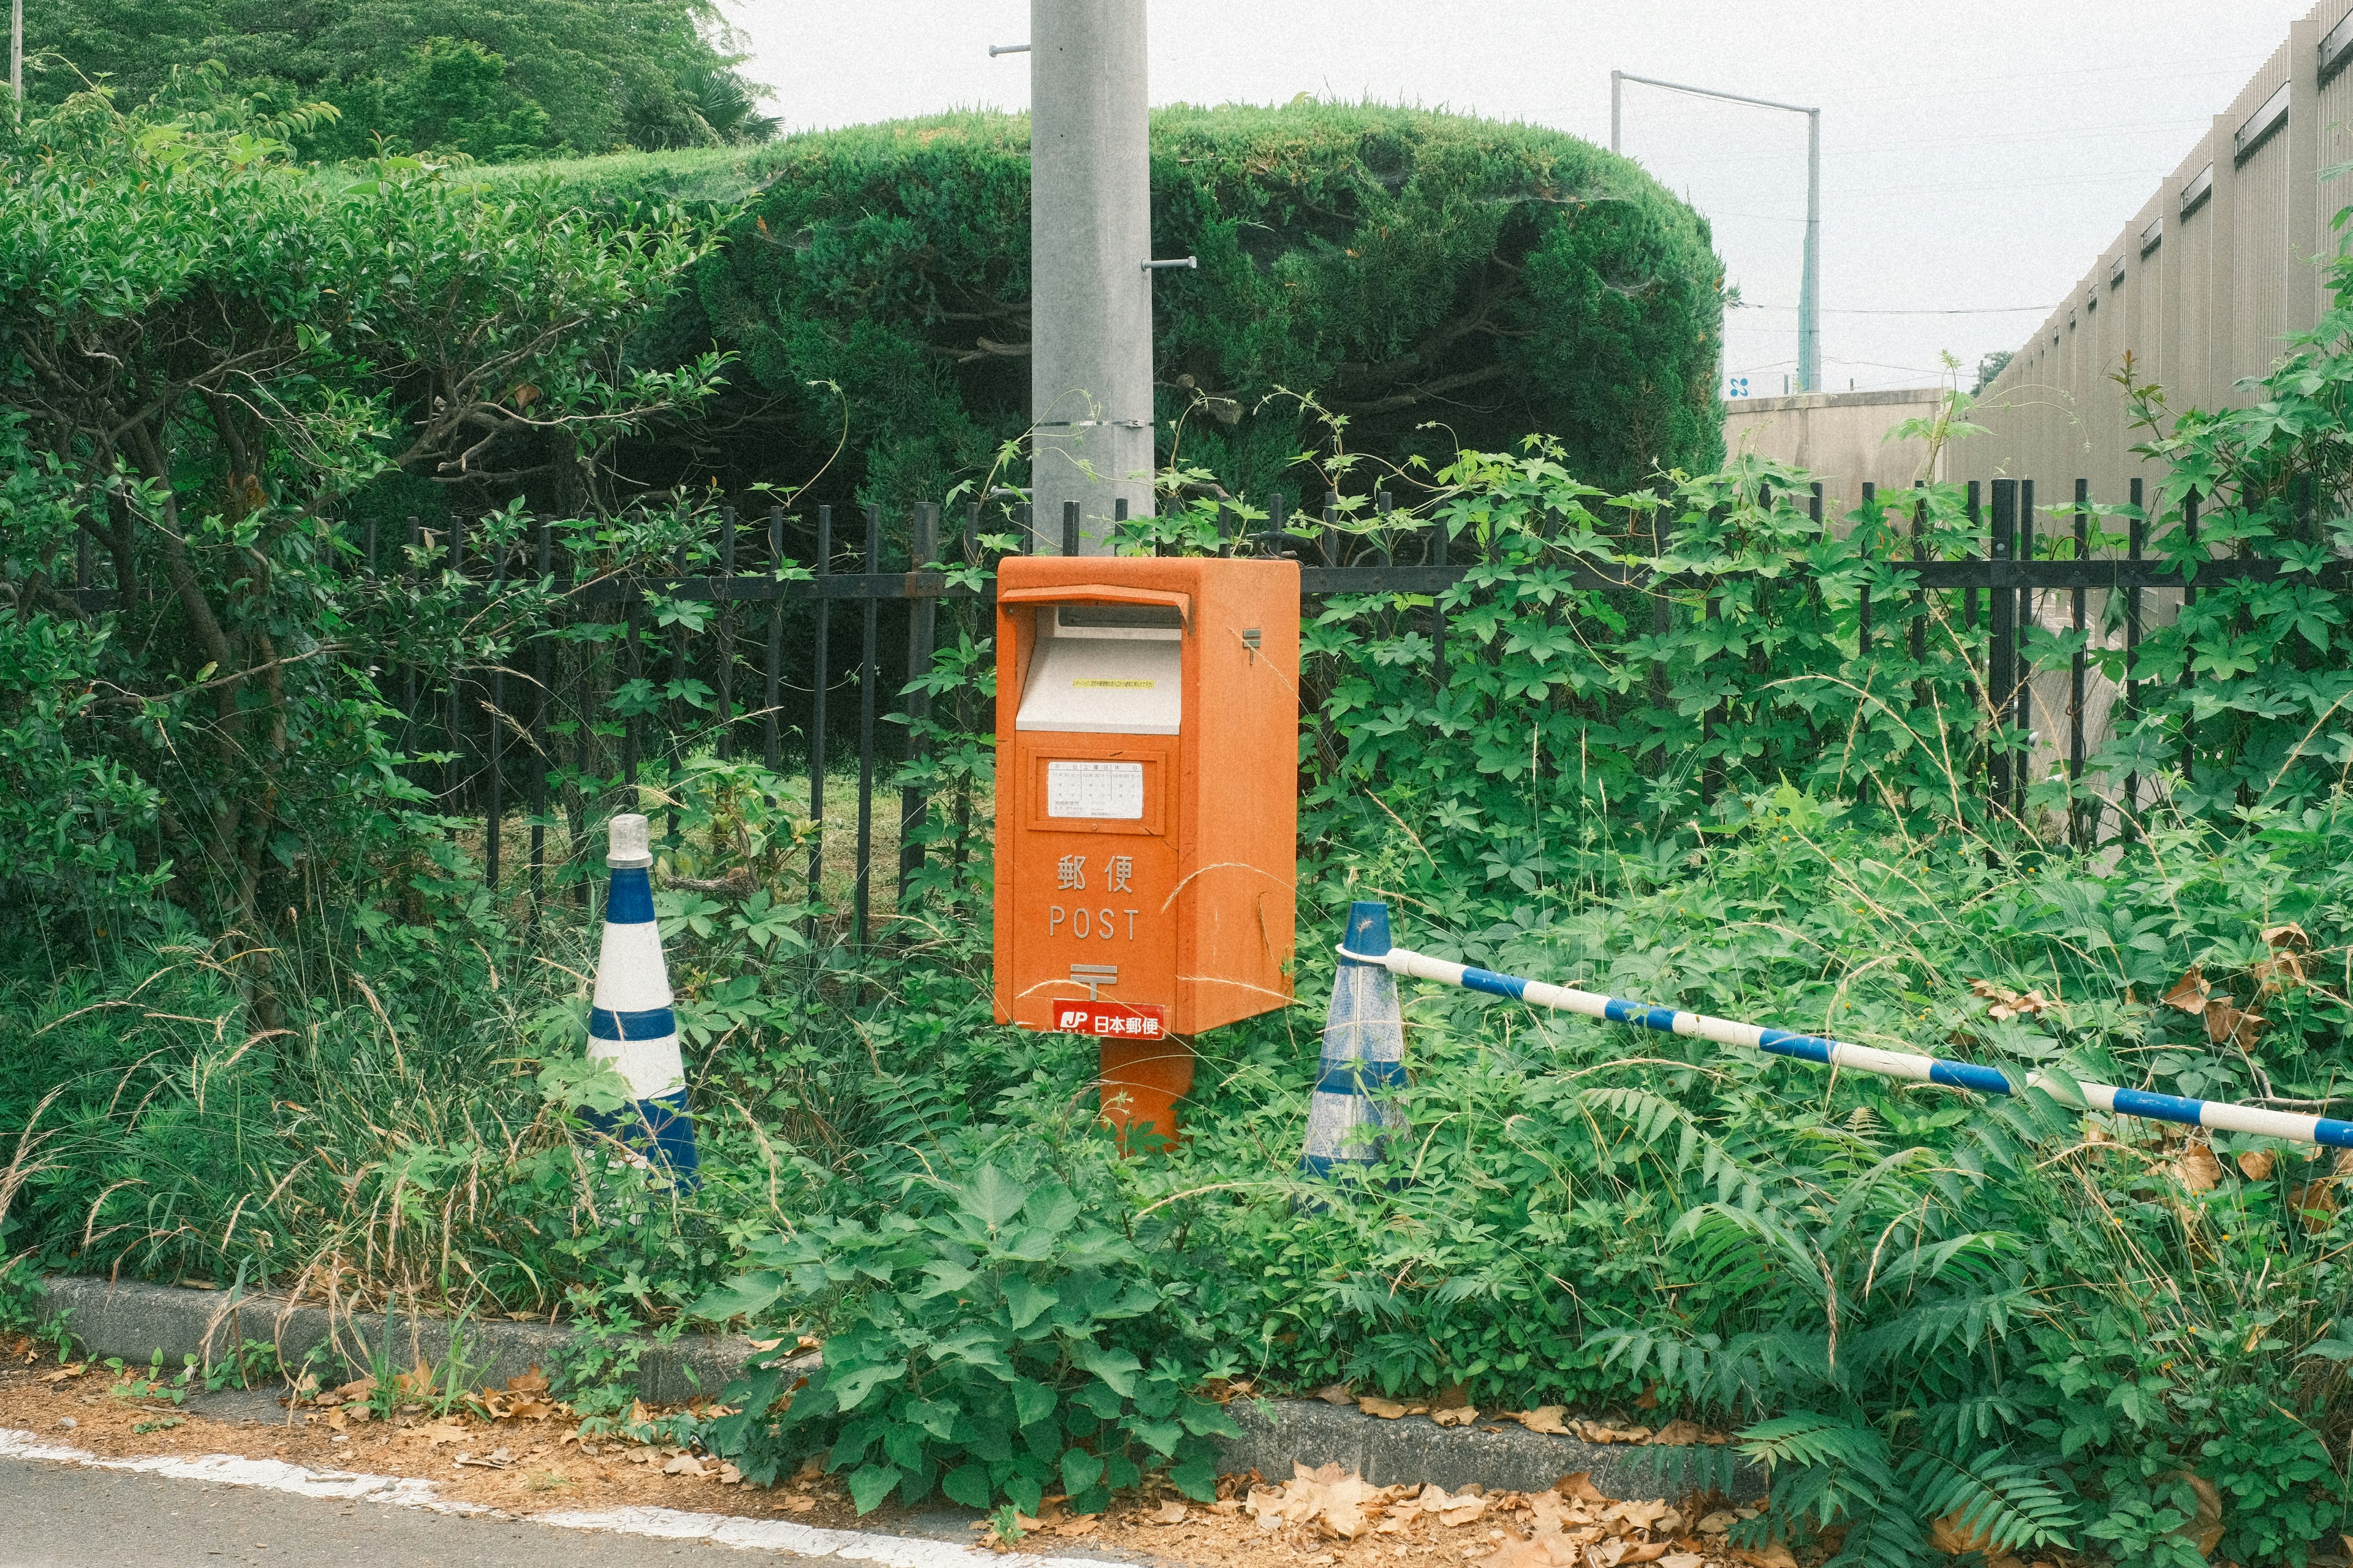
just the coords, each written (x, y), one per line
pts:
(1411, 269)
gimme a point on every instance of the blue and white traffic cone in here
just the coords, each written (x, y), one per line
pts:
(1364, 1053)
(632, 1027)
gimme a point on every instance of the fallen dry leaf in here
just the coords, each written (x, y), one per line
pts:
(75, 1369)
(1601, 1432)
(2289, 936)
(2225, 1023)
(1952, 1536)
(684, 1465)
(1644, 1551)
(2256, 1164)
(2197, 1168)
(2189, 994)
(1083, 1524)
(1718, 1522)
(1683, 1560)
(497, 1458)
(442, 1432)
(1336, 1394)
(1579, 1487)
(1677, 1434)
(1462, 1416)
(2205, 1529)
(1774, 1555)
(2009, 1003)
(1463, 1511)
(1639, 1515)
(2278, 972)
(2314, 1203)
(1514, 1552)
(1171, 1512)
(1543, 1418)
(335, 1419)
(1386, 1409)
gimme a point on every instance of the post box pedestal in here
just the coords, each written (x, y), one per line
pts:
(1143, 1086)
(1147, 727)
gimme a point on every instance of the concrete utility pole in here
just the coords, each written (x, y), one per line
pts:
(16, 54)
(1090, 289)
(1810, 322)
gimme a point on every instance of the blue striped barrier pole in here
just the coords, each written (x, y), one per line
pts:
(2218, 1115)
(631, 1026)
(1364, 1050)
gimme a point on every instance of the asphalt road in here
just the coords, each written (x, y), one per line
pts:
(65, 1516)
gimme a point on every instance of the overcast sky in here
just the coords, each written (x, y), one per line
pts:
(1975, 158)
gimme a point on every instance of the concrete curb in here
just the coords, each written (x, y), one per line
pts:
(1500, 1456)
(133, 1319)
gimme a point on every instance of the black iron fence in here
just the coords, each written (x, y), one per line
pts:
(532, 731)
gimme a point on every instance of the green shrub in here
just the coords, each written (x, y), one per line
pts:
(993, 1337)
(1405, 266)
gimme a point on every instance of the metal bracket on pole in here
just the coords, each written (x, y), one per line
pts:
(996, 49)
(1187, 261)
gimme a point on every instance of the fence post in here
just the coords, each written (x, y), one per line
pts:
(1862, 602)
(1069, 529)
(963, 711)
(543, 568)
(678, 635)
(2136, 535)
(862, 897)
(2083, 830)
(726, 670)
(1919, 639)
(453, 715)
(1438, 610)
(2001, 668)
(408, 673)
(772, 689)
(2189, 673)
(2021, 674)
(822, 674)
(494, 748)
(914, 799)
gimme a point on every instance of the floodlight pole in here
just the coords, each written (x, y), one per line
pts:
(1809, 279)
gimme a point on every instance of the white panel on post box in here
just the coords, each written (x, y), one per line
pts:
(1105, 670)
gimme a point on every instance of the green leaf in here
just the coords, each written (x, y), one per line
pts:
(1116, 1367)
(1197, 1476)
(1033, 1401)
(992, 1198)
(1080, 1469)
(1025, 1300)
(968, 1484)
(1163, 1435)
(870, 1485)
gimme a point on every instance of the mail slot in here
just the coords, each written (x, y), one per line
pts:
(1147, 813)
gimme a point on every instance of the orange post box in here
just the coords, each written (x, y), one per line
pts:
(1148, 812)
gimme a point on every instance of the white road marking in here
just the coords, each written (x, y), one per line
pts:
(663, 1524)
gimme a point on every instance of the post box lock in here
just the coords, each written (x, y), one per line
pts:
(1147, 728)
